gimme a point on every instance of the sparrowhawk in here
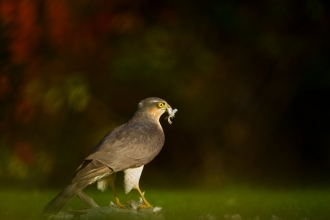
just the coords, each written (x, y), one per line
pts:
(126, 148)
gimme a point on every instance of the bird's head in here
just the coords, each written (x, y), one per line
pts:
(155, 107)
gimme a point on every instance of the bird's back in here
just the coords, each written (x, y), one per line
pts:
(131, 145)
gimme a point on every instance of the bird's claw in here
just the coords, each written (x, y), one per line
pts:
(143, 206)
(118, 203)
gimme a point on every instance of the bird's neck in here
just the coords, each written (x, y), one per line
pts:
(145, 117)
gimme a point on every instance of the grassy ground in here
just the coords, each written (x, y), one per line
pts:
(249, 203)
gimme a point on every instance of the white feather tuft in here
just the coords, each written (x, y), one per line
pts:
(171, 113)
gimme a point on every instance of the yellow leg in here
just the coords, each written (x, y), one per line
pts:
(146, 203)
(118, 202)
(115, 194)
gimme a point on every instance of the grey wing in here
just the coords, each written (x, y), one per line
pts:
(109, 138)
(91, 169)
(133, 145)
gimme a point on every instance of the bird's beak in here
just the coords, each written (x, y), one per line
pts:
(171, 112)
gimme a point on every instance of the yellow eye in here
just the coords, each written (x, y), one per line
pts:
(161, 104)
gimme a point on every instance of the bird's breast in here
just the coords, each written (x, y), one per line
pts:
(132, 178)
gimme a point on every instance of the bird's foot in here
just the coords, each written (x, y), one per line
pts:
(145, 206)
(118, 203)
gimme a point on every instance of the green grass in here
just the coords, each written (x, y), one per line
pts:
(293, 204)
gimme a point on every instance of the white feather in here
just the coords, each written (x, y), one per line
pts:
(132, 178)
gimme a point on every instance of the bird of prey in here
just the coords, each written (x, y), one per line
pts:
(126, 148)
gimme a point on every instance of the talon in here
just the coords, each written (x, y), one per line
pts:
(143, 206)
(118, 203)
(145, 202)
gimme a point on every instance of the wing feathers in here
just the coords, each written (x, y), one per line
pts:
(132, 145)
(91, 169)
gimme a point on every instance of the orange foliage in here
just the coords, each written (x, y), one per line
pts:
(7, 11)
(24, 152)
(60, 28)
(25, 21)
(24, 112)
(20, 17)
(4, 86)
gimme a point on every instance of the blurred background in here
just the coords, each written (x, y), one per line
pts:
(250, 79)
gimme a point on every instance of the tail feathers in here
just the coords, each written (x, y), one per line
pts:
(88, 201)
(55, 205)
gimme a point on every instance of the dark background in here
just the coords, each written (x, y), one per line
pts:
(250, 80)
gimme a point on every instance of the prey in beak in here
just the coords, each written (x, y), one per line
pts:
(171, 113)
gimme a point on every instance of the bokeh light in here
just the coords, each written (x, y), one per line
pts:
(250, 79)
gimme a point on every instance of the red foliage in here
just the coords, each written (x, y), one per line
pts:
(7, 11)
(4, 86)
(23, 32)
(24, 152)
(59, 23)
(24, 112)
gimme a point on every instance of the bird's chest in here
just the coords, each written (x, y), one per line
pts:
(132, 178)
(147, 147)
(151, 138)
